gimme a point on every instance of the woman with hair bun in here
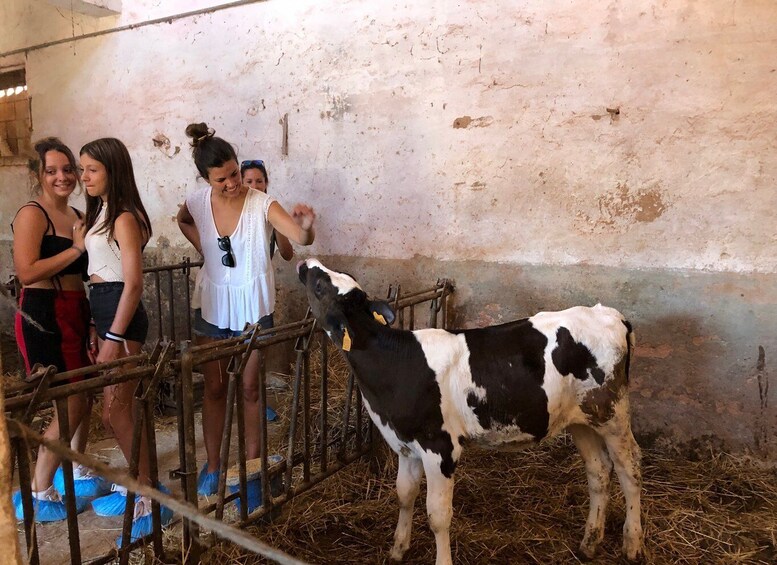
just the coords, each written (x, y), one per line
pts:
(231, 226)
(52, 324)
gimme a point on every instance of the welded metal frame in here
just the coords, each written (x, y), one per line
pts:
(333, 452)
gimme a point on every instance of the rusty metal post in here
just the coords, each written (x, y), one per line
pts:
(346, 417)
(293, 420)
(158, 289)
(263, 448)
(25, 482)
(171, 304)
(193, 550)
(324, 400)
(226, 439)
(306, 415)
(187, 295)
(137, 442)
(67, 472)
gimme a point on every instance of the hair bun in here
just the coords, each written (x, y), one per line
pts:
(199, 132)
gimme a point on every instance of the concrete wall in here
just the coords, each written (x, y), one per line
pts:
(615, 151)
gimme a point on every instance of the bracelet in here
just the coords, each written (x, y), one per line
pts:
(110, 336)
(115, 337)
(92, 324)
(80, 251)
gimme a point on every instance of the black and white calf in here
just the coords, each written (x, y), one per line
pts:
(431, 391)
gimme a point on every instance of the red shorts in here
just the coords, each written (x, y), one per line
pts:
(61, 339)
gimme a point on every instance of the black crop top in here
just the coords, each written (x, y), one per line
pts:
(53, 244)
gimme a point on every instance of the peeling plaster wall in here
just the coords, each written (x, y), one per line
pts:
(567, 142)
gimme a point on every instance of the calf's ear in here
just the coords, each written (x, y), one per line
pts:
(341, 333)
(382, 311)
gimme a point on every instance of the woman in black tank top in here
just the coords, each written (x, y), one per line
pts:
(52, 324)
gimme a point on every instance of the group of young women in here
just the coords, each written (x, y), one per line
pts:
(57, 249)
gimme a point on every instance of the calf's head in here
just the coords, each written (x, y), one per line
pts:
(340, 305)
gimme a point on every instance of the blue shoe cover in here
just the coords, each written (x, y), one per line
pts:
(112, 504)
(207, 483)
(142, 527)
(91, 486)
(46, 510)
(270, 414)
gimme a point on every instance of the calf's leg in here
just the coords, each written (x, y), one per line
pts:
(625, 454)
(598, 468)
(408, 485)
(439, 508)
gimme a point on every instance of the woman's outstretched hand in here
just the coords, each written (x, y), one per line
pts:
(304, 216)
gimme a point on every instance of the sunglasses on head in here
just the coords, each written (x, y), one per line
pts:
(253, 163)
(228, 260)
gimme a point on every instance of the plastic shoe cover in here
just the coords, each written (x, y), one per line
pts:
(143, 523)
(87, 484)
(270, 414)
(49, 507)
(112, 504)
(207, 483)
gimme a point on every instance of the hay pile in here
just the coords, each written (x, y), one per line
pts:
(527, 507)
(530, 507)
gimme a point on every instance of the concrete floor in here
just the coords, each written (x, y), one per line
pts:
(98, 534)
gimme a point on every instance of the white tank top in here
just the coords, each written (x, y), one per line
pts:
(104, 254)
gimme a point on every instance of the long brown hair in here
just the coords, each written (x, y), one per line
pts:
(38, 164)
(123, 195)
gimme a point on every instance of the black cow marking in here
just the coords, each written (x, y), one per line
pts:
(410, 407)
(575, 358)
(507, 361)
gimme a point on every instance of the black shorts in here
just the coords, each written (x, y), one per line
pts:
(60, 330)
(104, 301)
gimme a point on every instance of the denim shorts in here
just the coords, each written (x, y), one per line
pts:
(104, 301)
(206, 329)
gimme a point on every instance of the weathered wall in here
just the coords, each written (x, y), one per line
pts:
(616, 151)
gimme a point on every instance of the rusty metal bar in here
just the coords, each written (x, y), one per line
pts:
(306, 415)
(70, 494)
(187, 295)
(346, 417)
(25, 486)
(324, 401)
(226, 439)
(171, 305)
(191, 531)
(188, 511)
(137, 442)
(158, 290)
(86, 385)
(58, 379)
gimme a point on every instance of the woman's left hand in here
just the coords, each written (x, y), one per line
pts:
(304, 216)
(110, 351)
(92, 350)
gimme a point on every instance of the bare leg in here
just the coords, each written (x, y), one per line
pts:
(251, 403)
(439, 500)
(48, 461)
(408, 485)
(118, 416)
(214, 406)
(81, 435)
(625, 455)
(598, 468)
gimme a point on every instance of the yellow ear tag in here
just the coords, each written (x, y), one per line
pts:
(346, 340)
(380, 318)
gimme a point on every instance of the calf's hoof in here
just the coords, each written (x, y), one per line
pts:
(586, 551)
(397, 553)
(634, 552)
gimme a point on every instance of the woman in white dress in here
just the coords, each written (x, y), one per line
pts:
(231, 226)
